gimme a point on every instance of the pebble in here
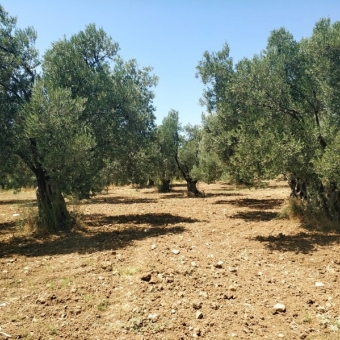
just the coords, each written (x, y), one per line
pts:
(233, 269)
(153, 317)
(319, 284)
(199, 315)
(219, 264)
(279, 308)
(197, 304)
(232, 288)
(175, 251)
(153, 246)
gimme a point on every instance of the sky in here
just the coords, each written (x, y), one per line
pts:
(172, 35)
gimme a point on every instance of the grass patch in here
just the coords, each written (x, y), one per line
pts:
(103, 306)
(128, 271)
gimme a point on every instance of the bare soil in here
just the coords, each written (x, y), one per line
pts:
(146, 265)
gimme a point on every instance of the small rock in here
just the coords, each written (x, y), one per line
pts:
(321, 309)
(173, 311)
(41, 300)
(193, 264)
(196, 333)
(281, 335)
(219, 264)
(214, 306)
(153, 246)
(175, 251)
(106, 265)
(197, 304)
(146, 277)
(279, 308)
(232, 288)
(233, 269)
(199, 315)
(153, 317)
(319, 284)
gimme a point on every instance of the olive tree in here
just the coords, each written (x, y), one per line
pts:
(88, 108)
(278, 113)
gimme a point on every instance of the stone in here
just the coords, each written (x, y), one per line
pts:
(146, 277)
(319, 284)
(199, 315)
(219, 264)
(197, 304)
(153, 317)
(106, 265)
(232, 288)
(175, 251)
(279, 308)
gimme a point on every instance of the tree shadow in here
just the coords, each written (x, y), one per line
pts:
(154, 220)
(24, 202)
(255, 215)
(222, 194)
(251, 203)
(100, 233)
(176, 194)
(8, 227)
(299, 243)
(120, 200)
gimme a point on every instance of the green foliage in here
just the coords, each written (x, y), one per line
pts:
(278, 113)
(87, 120)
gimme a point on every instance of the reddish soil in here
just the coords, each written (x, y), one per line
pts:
(146, 265)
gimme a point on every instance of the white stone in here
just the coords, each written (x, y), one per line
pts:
(319, 284)
(199, 315)
(153, 317)
(279, 307)
(175, 251)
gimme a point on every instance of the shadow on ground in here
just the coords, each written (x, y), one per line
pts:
(23, 202)
(119, 200)
(154, 220)
(101, 233)
(255, 215)
(254, 203)
(299, 243)
(8, 228)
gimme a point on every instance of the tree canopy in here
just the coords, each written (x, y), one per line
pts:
(87, 109)
(278, 113)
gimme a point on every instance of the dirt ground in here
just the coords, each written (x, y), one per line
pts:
(163, 266)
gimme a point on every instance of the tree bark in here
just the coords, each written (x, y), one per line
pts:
(165, 186)
(192, 188)
(297, 186)
(53, 213)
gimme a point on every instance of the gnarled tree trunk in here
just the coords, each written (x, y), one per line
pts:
(53, 213)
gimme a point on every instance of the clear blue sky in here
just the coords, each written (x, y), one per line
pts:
(171, 35)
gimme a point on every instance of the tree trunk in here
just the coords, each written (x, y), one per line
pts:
(53, 213)
(165, 186)
(192, 188)
(333, 202)
(297, 186)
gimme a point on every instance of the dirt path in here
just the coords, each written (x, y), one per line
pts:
(163, 266)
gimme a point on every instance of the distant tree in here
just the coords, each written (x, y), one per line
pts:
(88, 110)
(166, 147)
(279, 113)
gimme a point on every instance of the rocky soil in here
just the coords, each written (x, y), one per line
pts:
(145, 265)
